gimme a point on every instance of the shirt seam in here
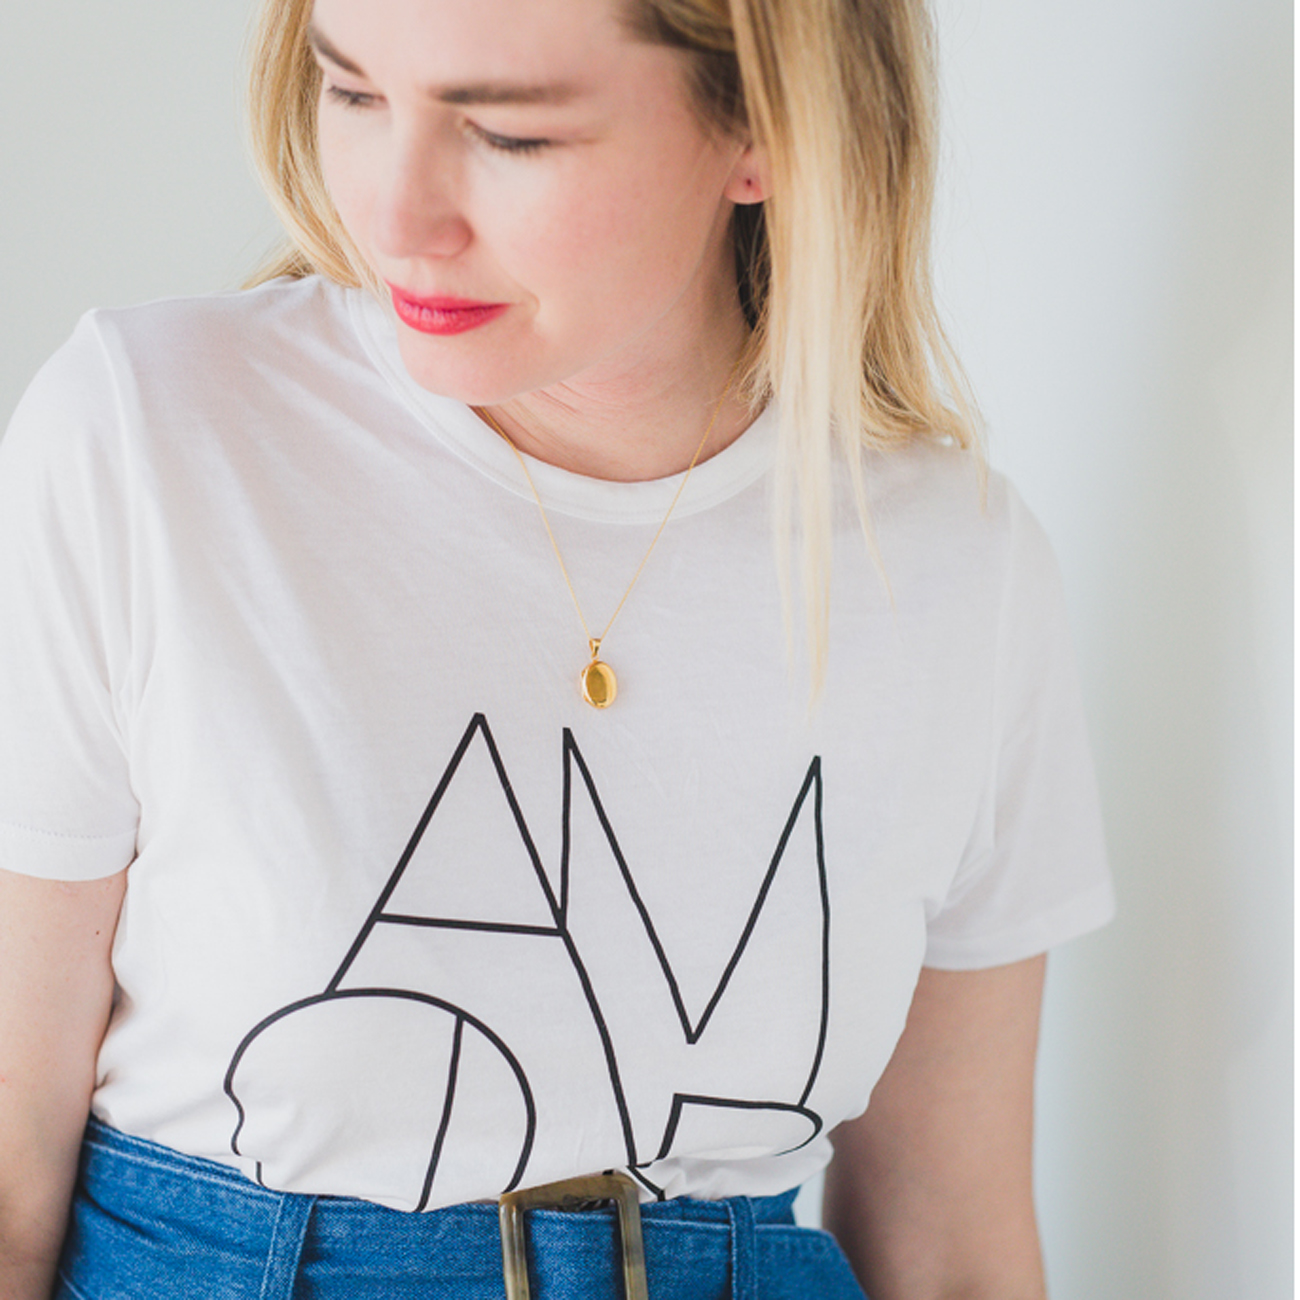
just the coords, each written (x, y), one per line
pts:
(968, 943)
(5, 824)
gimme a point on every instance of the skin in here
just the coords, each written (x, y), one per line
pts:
(609, 242)
(609, 245)
(930, 1191)
(56, 992)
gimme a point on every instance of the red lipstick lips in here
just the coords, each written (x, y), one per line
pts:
(443, 315)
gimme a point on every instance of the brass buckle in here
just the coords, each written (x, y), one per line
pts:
(572, 1194)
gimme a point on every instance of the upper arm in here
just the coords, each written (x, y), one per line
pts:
(56, 993)
(56, 987)
(930, 1191)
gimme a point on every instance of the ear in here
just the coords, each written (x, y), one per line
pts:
(751, 179)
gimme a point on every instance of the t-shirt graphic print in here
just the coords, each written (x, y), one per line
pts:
(486, 997)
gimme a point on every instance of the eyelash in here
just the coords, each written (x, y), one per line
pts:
(501, 143)
(506, 143)
(349, 98)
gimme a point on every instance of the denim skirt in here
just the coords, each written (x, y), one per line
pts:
(149, 1222)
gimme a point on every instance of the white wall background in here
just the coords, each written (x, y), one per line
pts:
(1116, 259)
(1116, 264)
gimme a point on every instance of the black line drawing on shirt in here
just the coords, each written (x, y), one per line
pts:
(461, 1018)
(682, 1100)
(554, 924)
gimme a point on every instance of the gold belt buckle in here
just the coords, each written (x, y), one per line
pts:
(571, 1194)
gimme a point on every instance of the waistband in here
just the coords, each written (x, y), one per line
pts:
(151, 1221)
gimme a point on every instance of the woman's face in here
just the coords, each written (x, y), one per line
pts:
(533, 185)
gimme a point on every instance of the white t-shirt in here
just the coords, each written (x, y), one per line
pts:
(406, 919)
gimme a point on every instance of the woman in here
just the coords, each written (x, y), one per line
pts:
(411, 795)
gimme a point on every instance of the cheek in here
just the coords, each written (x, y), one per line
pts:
(343, 168)
(627, 242)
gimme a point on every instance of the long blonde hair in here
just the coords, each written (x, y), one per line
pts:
(833, 268)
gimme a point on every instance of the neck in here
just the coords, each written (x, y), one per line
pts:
(637, 422)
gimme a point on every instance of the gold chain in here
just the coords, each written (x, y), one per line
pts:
(597, 680)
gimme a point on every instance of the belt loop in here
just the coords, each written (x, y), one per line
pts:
(744, 1264)
(285, 1253)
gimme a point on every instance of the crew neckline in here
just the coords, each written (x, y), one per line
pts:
(723, 476)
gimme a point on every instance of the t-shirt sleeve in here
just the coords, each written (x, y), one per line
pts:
(67, 811)
(1034, 873)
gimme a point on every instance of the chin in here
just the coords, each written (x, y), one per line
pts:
(476, 373)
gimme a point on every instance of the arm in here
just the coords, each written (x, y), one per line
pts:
(56, 992)
(930, 1192)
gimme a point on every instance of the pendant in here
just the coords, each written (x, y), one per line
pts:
(599, 685)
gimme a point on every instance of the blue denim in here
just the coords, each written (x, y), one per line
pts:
(150, 1222)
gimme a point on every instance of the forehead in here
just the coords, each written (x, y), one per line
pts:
(574, 41)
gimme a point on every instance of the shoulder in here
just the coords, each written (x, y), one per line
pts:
(164, 392)
(222, 334)
(197, 336)
(182, 362)
(939, 513)
(274, 301)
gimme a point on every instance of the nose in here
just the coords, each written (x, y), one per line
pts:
(417, 213)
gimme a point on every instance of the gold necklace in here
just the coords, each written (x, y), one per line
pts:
(597, 681)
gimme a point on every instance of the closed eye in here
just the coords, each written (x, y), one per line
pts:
(506, 143)
(501, 143)
(351, 98)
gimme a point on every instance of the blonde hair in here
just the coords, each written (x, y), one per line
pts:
(832, 269)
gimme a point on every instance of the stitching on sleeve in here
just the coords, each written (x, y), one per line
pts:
(64, 835)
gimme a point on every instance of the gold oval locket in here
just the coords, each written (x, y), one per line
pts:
(599, 685)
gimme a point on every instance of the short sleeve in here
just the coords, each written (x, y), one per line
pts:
(67, 811)
(1034, 873)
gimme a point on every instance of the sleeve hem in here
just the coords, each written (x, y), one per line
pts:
(1080, 915)
(52, 856)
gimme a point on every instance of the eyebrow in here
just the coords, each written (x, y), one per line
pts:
(477, 92)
